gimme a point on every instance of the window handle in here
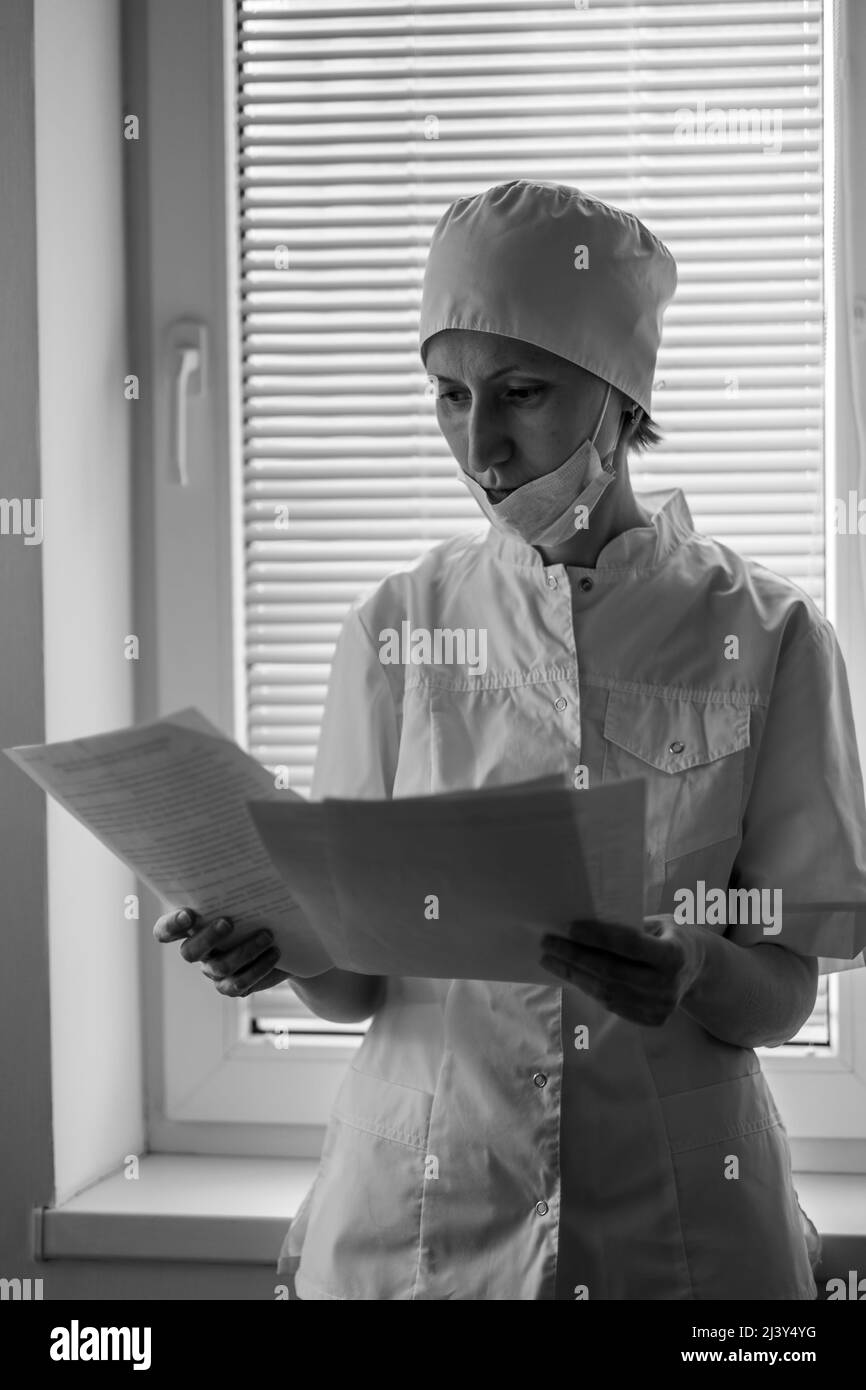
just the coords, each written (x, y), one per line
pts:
(187, 343)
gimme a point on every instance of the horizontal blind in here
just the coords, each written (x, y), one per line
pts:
(357, 124)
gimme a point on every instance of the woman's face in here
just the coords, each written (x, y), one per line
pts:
(511, 412)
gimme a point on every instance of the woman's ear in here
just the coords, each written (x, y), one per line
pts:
(626, 426)
(633, 416)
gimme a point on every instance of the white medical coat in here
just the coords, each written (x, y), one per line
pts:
(600, 1171)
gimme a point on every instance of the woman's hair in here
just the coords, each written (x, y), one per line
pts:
(647, 435)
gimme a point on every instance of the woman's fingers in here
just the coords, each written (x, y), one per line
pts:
(174, 926)
(603, 965)
(604, 985)
(247, 965)
(220, 964)
(630, 988)
(636, 1007)
(243, 981)
(636, 943)
(206, 939)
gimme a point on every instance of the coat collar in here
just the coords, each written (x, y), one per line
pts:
(641, 548)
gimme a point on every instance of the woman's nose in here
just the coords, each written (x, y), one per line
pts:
(487, 449)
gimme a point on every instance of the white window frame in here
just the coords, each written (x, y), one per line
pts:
(210, 1089)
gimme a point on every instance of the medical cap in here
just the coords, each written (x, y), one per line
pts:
(511, 261)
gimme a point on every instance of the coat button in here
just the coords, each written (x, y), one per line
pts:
(540, 1079)
(585, 584)
(676, 747)
(542, 1208)
(560, 704)
(551, 581)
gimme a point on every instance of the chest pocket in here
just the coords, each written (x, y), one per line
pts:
(691, 754)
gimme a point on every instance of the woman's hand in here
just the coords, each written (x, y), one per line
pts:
(249, 966)
(246, 967)
(642, 974)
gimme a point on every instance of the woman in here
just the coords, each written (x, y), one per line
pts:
(610, 1135)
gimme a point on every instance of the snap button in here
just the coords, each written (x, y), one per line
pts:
(560, 704)
(676, 747)
(540, 1079)
(585, 584)
(542, 1208)
(551, 581)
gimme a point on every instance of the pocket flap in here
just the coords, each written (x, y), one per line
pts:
(386, 1108)
(727, 1110)
(671, 733)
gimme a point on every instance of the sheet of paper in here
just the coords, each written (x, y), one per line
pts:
(169, 799)
(462, 886)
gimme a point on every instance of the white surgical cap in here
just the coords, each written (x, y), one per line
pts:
(506, 261)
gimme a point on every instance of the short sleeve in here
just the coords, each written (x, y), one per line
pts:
(804, 826)
(359, 737)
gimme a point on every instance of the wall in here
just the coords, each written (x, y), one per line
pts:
(65, 612)
(85, 423)
(25, 1055)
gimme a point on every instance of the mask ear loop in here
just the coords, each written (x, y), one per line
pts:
(599, 425)
(601, 416)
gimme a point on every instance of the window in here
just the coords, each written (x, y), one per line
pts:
(343, 133)
(354, 136)
(356, 130)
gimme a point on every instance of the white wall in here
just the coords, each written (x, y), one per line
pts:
(25, 1079)
(60, 109)
(90, 951)
(85, 427)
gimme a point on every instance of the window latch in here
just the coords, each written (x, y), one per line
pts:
(187, 363)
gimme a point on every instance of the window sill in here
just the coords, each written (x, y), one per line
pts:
(836, 1203)
(237, 1211)
(181, 1207)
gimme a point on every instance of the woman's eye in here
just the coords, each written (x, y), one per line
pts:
(525, 393)
(519, 395)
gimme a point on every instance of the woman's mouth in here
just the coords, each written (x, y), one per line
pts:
(498, 494)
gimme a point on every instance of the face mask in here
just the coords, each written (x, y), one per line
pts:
(549, 510)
